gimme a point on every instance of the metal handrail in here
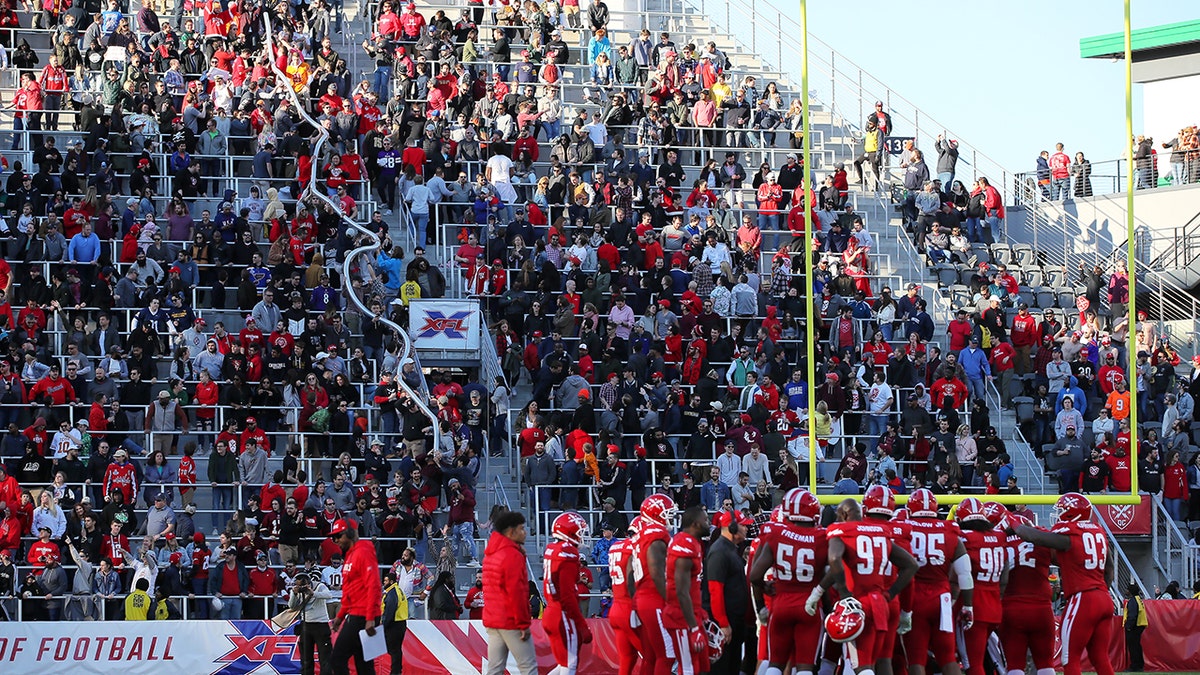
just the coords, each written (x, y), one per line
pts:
(374, 245)
(1125, 573)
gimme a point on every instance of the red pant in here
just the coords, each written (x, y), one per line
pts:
(879, 635)
(629, 643)
(1087, 622)
(1028, 627)
(681, 659)
(976, 640)
(927, 634)
(792, 635)
(563, 635)
(654, 639)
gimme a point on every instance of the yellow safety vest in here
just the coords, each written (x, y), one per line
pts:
(401, 602)
(1142, 621)
(137, 606)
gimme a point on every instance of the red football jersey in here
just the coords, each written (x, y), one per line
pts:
(683, 547)
(618, 557)
(641, 565)
(988, 553)
(1081, 567)
(868, 547)
(800, 557)
(933, 544)
(560, 573)
(1028, 573)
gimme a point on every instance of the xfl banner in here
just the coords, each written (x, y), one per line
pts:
(444, 324)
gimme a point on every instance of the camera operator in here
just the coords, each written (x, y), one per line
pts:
(309, 597)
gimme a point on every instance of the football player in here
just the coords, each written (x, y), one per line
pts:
(1086, 570)
(620, 569)
(650, 581)
(562, 620)
(988, 551)
(1027, 624)
(684, 618)
(939, 551)
(796, 554)
(865, 565)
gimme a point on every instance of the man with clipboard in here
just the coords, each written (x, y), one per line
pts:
(362, 602)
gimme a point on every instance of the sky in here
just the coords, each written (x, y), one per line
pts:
(1015, 83)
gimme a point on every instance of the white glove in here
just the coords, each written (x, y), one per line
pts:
(763, 616)
(905, 623)
(814, 600)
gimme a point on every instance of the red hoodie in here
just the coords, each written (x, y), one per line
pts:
(360, 572)
(505, 585)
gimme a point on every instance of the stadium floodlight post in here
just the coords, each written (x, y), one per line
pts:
(1131, 260)
(810, 325)
(374, 243)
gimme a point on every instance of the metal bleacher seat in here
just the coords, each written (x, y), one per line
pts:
(964, 275)
(1034, 276)
(1002, 254)
(1044, 297)
(947, 275)
(1066, 297)
(1024, 255)
(1056, 276)
(982, 252)
(960, 295)
(1026, 294)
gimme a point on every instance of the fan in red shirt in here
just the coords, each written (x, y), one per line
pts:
(1086, 570)
(362, 596)
(948, 390)
(987, 550)
(252, 431)
(620, 569)
(1024, 335)
(1027, 626)
(683, 619)
(865, 564)
(650, 580)
(939, 551)
(43, 550)
(959, 330)
(795, 552)
(121, 475)
(562, 620)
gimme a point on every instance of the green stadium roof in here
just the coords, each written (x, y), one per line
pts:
(1142, 39)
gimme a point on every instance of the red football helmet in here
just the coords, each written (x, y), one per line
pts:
(879, 500)
(659, 509)
(1072, 508)
(801, 505)
(994, 512)
(777, 514)
(635, 525)
(970, 510)
(922, 503)
(901, 515)
(569, 526)
(846, 622)
(1016, 519)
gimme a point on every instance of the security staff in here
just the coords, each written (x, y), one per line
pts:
(395, 620)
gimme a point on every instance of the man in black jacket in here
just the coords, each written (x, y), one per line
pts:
(726, 574)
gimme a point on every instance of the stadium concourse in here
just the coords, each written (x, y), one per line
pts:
(196, 383)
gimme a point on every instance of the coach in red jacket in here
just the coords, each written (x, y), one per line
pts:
(506, 591)
(362, 598)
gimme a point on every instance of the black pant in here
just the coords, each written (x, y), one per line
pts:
(1133, 643)
(349, 645)
(314, 634)
(393, 634)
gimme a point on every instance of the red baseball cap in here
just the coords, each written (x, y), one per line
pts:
(339, 526)
(726, 518)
